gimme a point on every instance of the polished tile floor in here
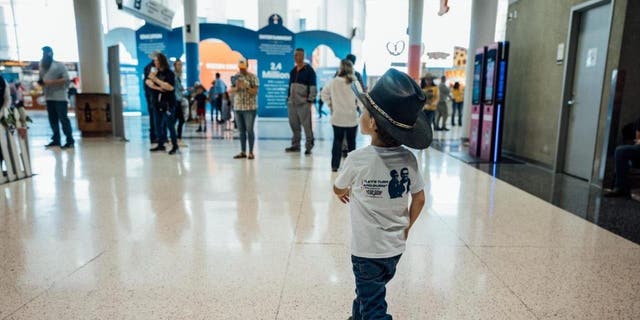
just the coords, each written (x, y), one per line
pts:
(110, 231)
(618, 215)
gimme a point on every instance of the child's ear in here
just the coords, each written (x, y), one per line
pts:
(372, 124)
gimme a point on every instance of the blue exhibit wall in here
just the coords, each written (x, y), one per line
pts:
(275, 45)
(239, 39)
(310, 40)
(150, 38)
(192, 63)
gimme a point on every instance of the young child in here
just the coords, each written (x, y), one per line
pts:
(377, 181)
(226, 111)
(201, 101)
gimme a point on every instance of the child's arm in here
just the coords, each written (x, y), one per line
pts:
(417, 203)
(343, 194)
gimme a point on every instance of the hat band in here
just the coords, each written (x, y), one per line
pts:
(387, 116)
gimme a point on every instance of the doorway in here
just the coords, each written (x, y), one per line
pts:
(584, 79)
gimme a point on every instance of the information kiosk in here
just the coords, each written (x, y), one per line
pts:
(492, 115)
(477, 98)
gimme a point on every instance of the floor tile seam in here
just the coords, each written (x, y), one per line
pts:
(53, 284)
(466, 244)
(341, 244)
(627, 245)
(554, 247)
(307, 243)
(503, 282)
(295, 234)
(562, 210)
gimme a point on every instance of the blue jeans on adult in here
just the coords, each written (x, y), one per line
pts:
(372, 276)
(166, 120)
(456, 106)
(245, 121)
(339, 134)
(431, 118)
(625, 155)
(152, 118)
(57, 112)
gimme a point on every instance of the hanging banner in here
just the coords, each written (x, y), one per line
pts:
(275, 59)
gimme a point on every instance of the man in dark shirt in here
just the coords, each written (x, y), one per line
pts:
(302, 95)
(625, 155)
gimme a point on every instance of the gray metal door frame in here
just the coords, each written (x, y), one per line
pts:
(567, 81)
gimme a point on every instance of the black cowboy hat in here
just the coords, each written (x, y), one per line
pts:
(396, 103)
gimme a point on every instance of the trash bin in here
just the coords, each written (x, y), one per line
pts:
(94, 114)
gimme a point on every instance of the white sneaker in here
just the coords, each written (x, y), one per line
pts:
(181, 144)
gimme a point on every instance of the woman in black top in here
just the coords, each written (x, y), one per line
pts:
(162, 80)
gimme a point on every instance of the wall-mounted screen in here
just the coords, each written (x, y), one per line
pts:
(490, 73)
(477, 79)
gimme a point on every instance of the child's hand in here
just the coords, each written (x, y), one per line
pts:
(344, 198)
(342, 194)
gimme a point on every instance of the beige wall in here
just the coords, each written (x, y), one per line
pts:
(535, 80)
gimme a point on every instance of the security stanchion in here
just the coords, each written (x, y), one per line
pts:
(25, 155)
(14, 146)
(6, 154)
(16, 157)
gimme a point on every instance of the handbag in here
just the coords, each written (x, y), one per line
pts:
(163, 105)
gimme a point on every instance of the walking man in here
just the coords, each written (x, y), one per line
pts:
(54, 78)
(302, 94)
(219, 89)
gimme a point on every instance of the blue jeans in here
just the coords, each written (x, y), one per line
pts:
(625, 155)
(57, 112)
(457, 107)
(166, 121)
(431, 118)
(372, 276)
(152, 117)
(245, 121)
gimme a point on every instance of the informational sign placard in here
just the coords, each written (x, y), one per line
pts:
(130, 83)
(149, 10)
(275, 59)
(324, 75)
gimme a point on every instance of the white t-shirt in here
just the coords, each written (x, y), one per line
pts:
(344, 103)
(381, 180)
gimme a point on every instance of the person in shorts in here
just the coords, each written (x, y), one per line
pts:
(200, 99)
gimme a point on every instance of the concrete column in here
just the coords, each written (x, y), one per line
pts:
(268, 7)
(483, 31)
(415, 37)
(91, 50)
(191, 35)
